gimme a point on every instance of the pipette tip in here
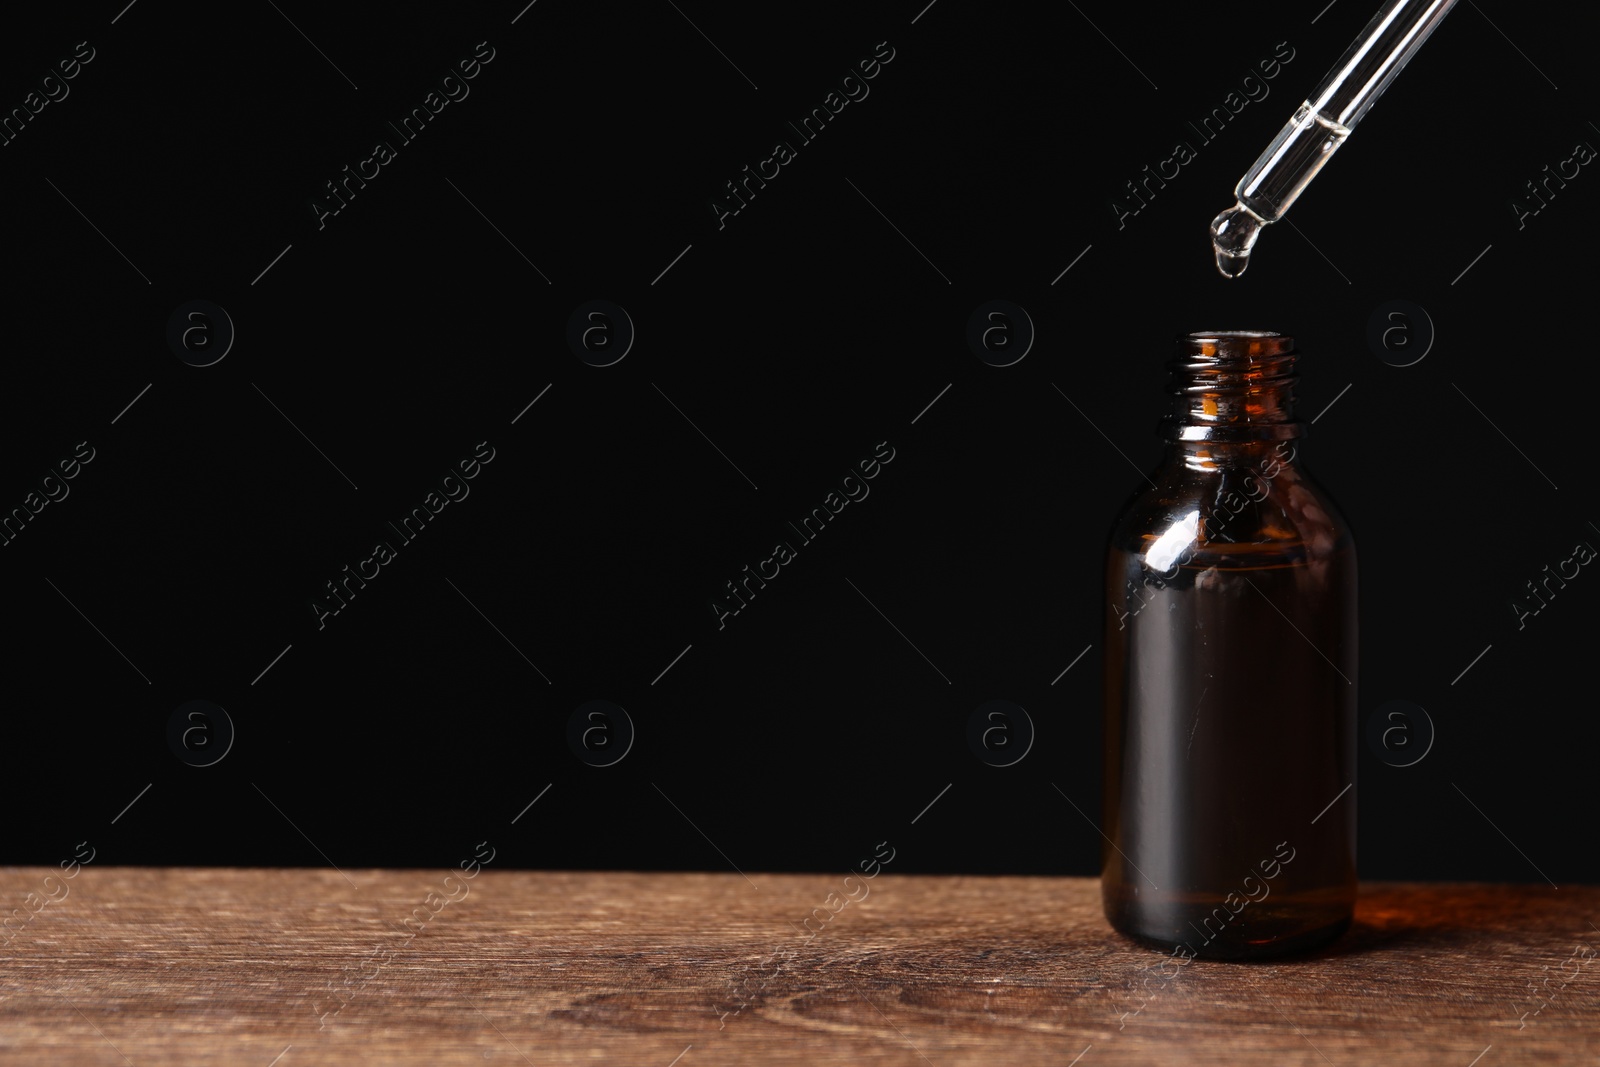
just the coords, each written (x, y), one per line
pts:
(1233, 235)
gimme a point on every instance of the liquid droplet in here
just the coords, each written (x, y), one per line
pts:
(1230, 265)
(1233, 234)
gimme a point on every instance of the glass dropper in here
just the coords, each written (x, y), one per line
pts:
(1320, 126)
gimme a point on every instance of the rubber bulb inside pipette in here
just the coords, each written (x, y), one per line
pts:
(1233, 234)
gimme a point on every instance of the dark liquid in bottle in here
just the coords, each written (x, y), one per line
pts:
(1237, 738)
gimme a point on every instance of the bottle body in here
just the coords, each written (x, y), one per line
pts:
(1230, 687)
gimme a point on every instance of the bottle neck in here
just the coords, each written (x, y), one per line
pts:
(1232, 390)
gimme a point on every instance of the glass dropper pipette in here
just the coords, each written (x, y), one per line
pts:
(1321, 125)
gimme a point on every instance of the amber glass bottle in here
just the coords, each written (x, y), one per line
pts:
(1230, 674)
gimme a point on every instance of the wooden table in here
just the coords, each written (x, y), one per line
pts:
(290, 967)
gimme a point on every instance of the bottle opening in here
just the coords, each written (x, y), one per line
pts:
(1235, 344)
(1233, 385)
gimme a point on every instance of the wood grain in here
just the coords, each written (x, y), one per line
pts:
(199, 966)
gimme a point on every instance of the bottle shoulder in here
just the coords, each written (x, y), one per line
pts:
(1231, 516)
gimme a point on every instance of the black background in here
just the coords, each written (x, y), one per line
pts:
(796, 337)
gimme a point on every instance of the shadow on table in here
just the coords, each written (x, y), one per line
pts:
(1433, 917)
